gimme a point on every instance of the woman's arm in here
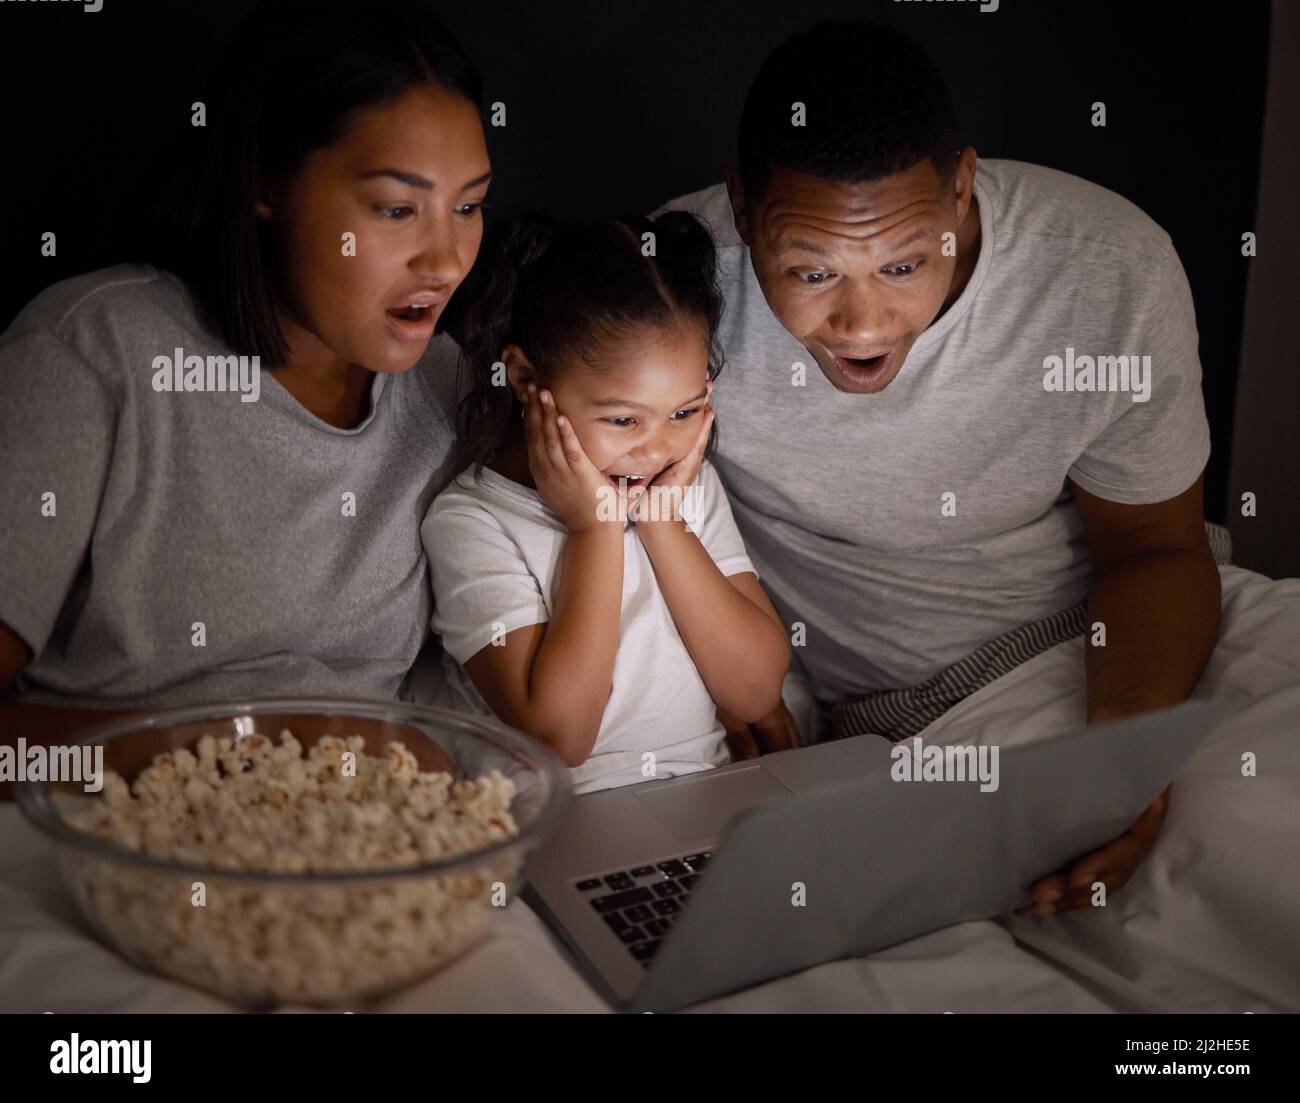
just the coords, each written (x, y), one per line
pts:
(553, 680)
(36, 723)
(733, 634)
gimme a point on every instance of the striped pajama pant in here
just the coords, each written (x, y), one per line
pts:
(902, 713)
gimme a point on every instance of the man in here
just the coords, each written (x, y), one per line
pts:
(934, 450)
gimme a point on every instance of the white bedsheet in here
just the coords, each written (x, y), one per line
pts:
(1211, 921)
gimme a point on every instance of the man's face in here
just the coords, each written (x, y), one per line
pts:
(857, 271)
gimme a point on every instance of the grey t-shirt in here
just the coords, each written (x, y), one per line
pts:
(199, 547)
(841, 498)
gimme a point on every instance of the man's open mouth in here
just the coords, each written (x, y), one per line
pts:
(864, 362)
(866, 371)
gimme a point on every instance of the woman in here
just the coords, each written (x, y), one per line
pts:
(180, 526)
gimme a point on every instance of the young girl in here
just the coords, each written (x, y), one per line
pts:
(589, 581)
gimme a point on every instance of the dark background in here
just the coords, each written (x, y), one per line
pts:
(615, 107)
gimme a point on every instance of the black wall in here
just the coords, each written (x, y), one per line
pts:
(616, 106)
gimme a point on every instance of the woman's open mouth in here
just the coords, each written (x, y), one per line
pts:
(413, 316)
(411, 323)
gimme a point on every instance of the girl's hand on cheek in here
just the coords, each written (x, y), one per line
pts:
(679, 476)
(567, 481)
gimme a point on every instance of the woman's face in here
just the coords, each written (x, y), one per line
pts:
(376, 232)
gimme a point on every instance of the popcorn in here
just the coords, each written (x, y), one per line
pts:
(252, 806)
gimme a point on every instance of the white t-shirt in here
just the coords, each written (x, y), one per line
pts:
(841, 497)
(494, 548)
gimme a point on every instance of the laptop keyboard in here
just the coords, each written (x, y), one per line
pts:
(641, 904)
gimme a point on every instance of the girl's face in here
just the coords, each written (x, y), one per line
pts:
(376, 232)
(642, 409)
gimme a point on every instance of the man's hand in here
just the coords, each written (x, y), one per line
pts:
(777, 731)
(1156, 591)
(1112, 865)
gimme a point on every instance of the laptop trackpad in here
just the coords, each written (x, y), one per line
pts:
(699, 807)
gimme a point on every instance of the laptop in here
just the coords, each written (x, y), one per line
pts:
(676, 891)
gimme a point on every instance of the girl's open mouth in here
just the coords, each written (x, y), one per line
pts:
(627, 482)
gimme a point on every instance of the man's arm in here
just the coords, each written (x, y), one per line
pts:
(1156, 590)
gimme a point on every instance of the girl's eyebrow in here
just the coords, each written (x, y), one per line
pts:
(637, 406)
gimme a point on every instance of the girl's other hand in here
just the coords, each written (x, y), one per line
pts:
(679, 476)
(567, 481)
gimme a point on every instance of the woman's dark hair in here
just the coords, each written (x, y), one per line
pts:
(287, 84)
(565, 293)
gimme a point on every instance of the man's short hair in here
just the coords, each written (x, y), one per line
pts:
(875, 105)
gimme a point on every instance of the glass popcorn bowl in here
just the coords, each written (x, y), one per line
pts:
(340, 937)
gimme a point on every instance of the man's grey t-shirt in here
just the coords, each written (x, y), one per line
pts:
(161, 547)
(906, 528)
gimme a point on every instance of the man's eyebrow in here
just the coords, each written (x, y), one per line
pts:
(915, 235)
(807, 247)
(637, 406)
(818, 251)
(417, 181)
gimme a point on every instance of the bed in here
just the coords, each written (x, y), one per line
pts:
(1210, 922)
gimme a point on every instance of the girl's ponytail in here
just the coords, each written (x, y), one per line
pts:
(687, 260)
(491, 290)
